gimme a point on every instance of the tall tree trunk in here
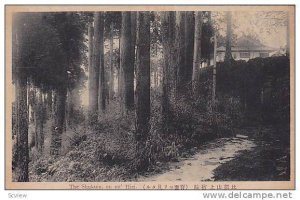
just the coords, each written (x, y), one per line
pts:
(214, 75)
(165, 80)
(197, 50)
(97, 57)
(288, 34)
(209, 53)
(168, 37)
(76, 101)
(20, 77)
(189, 45)
(133, 35)
(173, 56)
(93, 97)
(99, 42)
(143, 75)
(121, 89)
(54, 104)
(41, 119)
(121, 81)
(111, 50)
(106, 92)
(49, 101)
(181, 49)
(58, 125)
(155, 74)
(228, 55)
(22, 132)
(127, 61)
(31, 111)
(142, 85)
(36, 118)
(73, 103)
(68, 109)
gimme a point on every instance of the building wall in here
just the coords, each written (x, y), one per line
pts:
(237, 55)
(220, 56)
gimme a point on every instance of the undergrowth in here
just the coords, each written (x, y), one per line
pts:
(104, 149)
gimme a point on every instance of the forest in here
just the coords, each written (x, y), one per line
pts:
(122, 96)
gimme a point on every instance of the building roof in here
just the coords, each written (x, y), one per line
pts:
(246, 48)
(247, 43)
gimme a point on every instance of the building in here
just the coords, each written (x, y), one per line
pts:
(246, 48)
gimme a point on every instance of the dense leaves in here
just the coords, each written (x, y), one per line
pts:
(262, 87)
(207, 33)
(53, 48)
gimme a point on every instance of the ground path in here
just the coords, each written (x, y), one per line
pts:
(200, 167)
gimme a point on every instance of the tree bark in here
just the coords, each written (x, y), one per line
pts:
(197, 50)
(168, 35)
(133, 35)
(209, 55)
(155, 77)
(111, 48)
(165, 79)
(93, 97)
(288, 34)
(143, 76)
(49, 101)
(121, 80)
(22, 131)
(100, 65)
(189, 46)
(36, 118)
(155, 68)
(142, 86)
(214, 75)
(127, 61)
(41, 115)
(181, 47)
(58, 125)
(228, 55)
(68, 109)
(21, 108)
(97, 58)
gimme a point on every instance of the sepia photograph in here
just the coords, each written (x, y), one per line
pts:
(150, 97)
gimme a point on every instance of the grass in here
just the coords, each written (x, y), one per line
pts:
(105, 150)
